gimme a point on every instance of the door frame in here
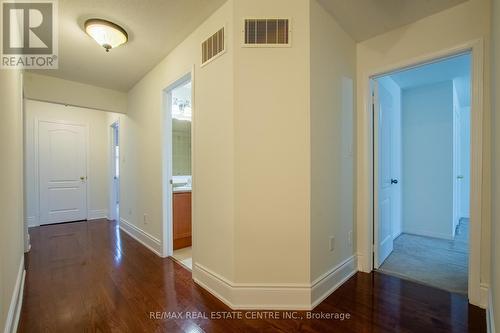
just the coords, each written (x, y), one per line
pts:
(477, 291)
(167, 165)
(112, 166)
(36, 159)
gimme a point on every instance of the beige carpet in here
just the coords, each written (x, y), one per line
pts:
(435, 262)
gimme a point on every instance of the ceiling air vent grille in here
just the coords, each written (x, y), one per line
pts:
(213, 47)
(266, 32)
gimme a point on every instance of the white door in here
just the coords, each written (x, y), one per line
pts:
(384, 181)
(62, 163)
(457, 172)
(116, 172)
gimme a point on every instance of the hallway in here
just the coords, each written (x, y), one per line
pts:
(91, 276)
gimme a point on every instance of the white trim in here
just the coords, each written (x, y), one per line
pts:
(326, 284)
(364, 200)
(287, 296)
(141, 236)
(484, 295)
(16, 301)
(31, 222)
(490, 314)
(96, 214)
(426, 233)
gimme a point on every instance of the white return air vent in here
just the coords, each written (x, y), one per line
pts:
(266, 32)
(213, 47)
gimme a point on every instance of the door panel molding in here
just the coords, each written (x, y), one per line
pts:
(38, 219)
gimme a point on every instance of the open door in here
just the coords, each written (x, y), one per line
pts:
(384, 186)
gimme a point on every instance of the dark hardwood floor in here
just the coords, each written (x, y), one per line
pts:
(91, 277)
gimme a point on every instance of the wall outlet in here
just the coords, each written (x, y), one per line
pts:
(145, 219)
(349, 238)
(332, 243)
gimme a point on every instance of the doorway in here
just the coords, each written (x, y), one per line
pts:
(178, 171)
(421, 136)
(114, 201)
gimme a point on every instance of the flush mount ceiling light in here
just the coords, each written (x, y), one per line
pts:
(107, 34)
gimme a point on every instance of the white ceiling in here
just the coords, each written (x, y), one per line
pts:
(440, 71)
(456, 68)
(363, 19)
(155, 27)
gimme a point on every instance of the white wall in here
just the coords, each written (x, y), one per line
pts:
(252, 153)
(97, 122)
(11, 195)
(450, 28)
(397, 159)
(495, 235)
(332, 80)
(55, 90)
(271, 127)
(427, 128)
(213, 147)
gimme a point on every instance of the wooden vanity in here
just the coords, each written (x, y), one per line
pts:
(182, 219)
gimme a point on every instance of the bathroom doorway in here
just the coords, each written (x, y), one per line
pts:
(178, 169)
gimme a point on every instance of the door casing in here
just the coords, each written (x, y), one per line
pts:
(477, 291)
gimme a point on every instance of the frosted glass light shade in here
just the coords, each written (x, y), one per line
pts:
(107, 34)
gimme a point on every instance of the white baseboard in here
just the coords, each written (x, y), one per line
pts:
(32, 222)
(364, 263)
(484, 292)
(326, 284)
(16, 301)
(397, 234)
(490, 314)
(141, 236)
(253, 297)
(241, 296)
(97, 214)
(427, 233)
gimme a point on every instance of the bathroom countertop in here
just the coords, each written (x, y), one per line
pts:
(182, 189)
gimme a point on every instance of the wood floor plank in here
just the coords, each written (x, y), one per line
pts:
(91, 277)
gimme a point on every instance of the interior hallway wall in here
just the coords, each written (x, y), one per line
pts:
(98, 153)
(332, 82)
(142, 148)
(271, 137)
(11, 194)
(427, 132)
(55, 90)
(452, 27)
